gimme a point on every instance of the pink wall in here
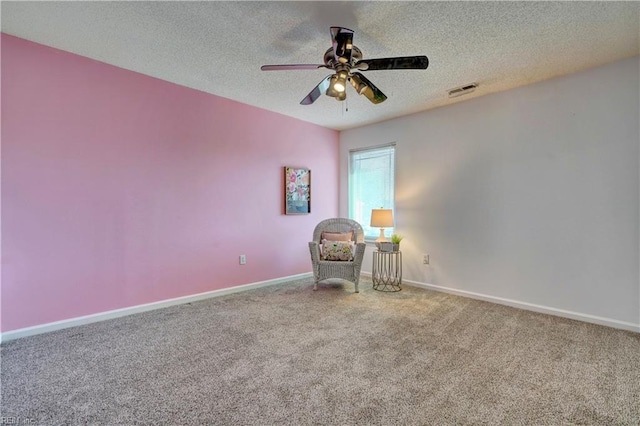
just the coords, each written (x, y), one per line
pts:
(119, 189)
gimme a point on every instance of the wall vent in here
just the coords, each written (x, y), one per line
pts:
(462, 90)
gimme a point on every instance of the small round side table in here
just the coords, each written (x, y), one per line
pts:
(387, 270)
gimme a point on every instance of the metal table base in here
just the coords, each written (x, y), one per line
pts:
(387, 270)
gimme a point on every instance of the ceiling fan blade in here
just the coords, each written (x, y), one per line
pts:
(400, 63)
(317, 91)
(342, 42)
(292, 67)
(364, 87)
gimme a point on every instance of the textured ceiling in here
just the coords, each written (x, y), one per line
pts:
(218, 47)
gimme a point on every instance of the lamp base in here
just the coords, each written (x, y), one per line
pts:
(381, 238)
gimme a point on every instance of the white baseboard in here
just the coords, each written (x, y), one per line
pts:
(530, 306)
(88, 319)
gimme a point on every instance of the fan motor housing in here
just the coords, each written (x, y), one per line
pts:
(330, 60)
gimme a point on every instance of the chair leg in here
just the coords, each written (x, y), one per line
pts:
(315, 286)
(357, 291)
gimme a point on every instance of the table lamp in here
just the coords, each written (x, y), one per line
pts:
(381, 218)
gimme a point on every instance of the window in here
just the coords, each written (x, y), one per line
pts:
(371, 185)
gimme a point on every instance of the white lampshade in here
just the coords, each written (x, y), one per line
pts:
(381, 218)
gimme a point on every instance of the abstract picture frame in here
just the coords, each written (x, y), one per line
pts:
(297, 190)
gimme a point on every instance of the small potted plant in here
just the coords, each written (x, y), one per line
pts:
(393, 245)
(395, 239)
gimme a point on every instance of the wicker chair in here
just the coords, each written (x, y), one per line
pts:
(347, 270)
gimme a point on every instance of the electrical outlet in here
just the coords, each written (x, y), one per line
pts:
(425, 259)
(243, 259)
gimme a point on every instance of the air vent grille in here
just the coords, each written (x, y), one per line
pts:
(462, 90)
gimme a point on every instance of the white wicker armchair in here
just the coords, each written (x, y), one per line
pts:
(346, 270)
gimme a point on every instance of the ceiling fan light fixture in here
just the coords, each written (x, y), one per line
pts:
(358, 84)
(339, 87)
(340, 84)
(331, 90)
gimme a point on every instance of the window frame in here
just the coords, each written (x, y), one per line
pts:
(350, 183)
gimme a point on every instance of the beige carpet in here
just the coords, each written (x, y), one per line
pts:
(287, 355)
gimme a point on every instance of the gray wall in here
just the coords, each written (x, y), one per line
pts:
(529, 195)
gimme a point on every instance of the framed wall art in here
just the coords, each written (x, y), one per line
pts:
(297, 191)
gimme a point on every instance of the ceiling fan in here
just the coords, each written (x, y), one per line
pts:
(346, 60)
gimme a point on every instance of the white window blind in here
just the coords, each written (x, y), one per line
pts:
(371, 185)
